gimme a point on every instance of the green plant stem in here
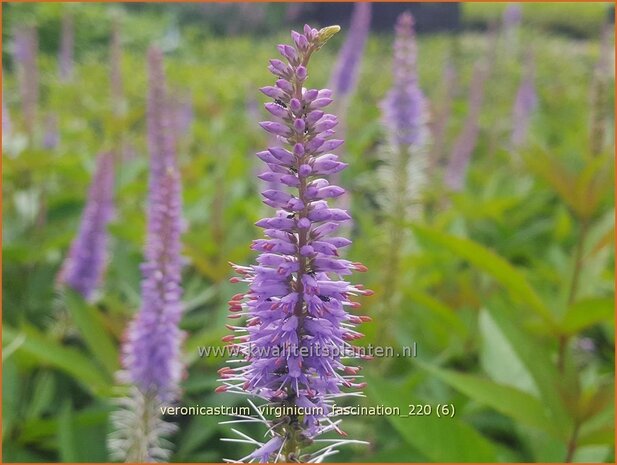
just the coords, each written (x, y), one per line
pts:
(578, 264)
(574, 283)
(572, 443)
(397, 219)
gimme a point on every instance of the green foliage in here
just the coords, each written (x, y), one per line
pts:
(579, 19)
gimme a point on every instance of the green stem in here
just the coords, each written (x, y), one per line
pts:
(572, 443)
(574, 284)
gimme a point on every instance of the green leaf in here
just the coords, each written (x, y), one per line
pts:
(209, 337)
(536, 360)
(92, 328)
(507, 400)
(43, 392)
(441, 310)
(587, 313)
(488, 261)
(10, 396)
(601, 436)
(499, 360)
(195, 434)
(69, 360)
(37, 429)
(439, 439)
(67, 440)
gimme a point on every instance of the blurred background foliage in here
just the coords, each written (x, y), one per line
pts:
(507, 286)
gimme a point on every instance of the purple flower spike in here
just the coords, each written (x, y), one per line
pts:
(115, 65)
(67, 44)
(297, 328)
(152, 349)
(26, 54)
(465, 143)
(524, 106)
(84, 266)
(6, 119)
(512, 15)
(51, 138)
(347, 69)
(404, 108)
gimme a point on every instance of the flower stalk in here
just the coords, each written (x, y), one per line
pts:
(465, 143)
(67, 46)
(26, 54)
(297, 328)
(84, 266)
(525, 104)
(404, 170)
(152, 345)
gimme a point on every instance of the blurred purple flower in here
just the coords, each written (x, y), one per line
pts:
(403, 173)
(51, 137)
(600, 88)
(345, 76)
(449, 83)
(404, 108)
(586, 344)
(151, 353)
(84, 266)
(183, 115)
(512, 16)
(524, 105)
(6, 118)
(26, 53)
(115, 65)
(67, 45)
(289, 351)
(293, 11)
(465, 143)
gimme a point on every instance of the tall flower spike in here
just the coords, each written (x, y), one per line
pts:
(6, 120)
(84, 266)
(115, 67)
(51, 137)
(404, 108)
(345, 76)
(183, 113)
(449, 84)
(524, 105)
(512, 15)
(465, 144)
(511, 20)
(297, 329)
(151, 350)
(26, 53)
(403, 173)
(600, 85)
(67, 45)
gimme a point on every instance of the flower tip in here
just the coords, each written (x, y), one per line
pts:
(326, 34)
(360, 267)
(220, 389)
